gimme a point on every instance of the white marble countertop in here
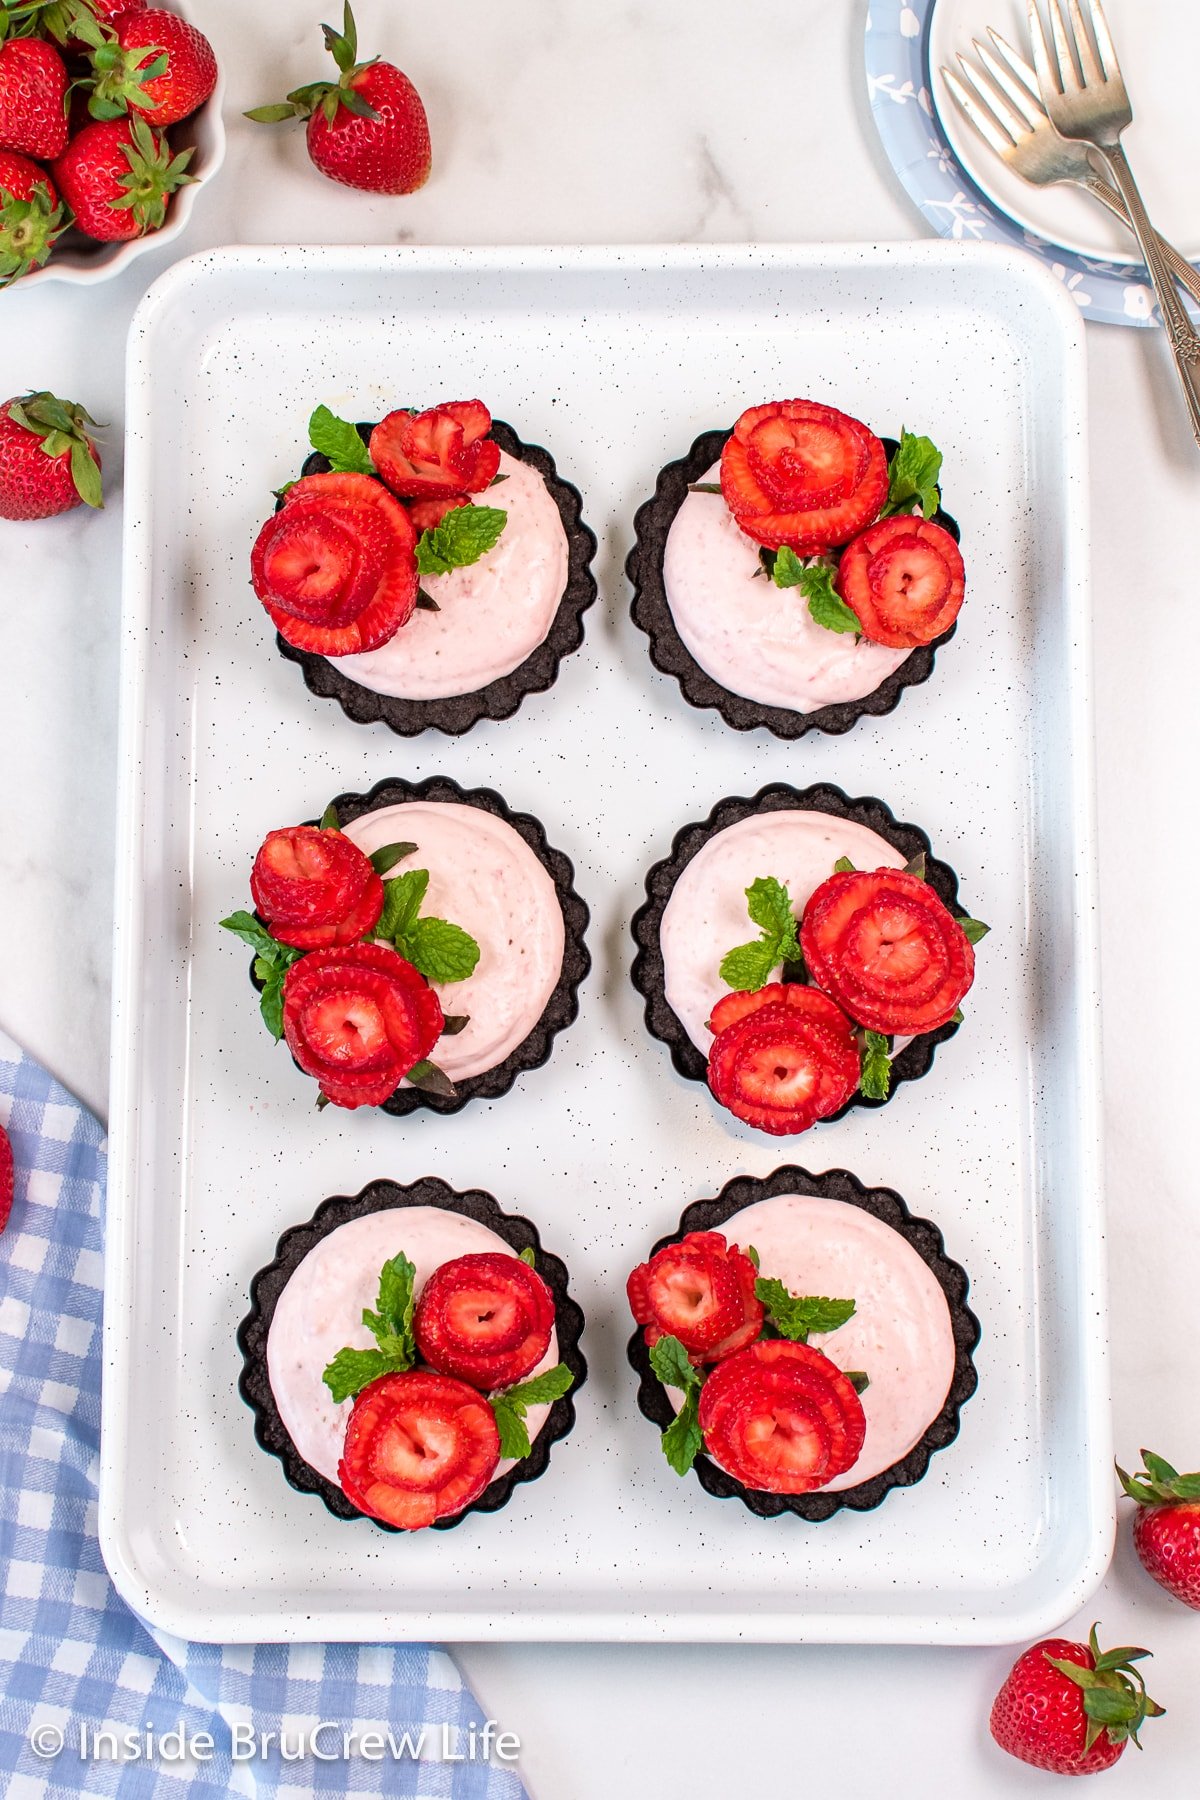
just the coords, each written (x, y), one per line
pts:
(658, 120)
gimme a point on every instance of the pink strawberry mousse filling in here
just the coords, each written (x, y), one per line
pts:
(493, 614)
(484, 877)
(320, 1311)
(901, 1334)
(756, 639)
(706, 914)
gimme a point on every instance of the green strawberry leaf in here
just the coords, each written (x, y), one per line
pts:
(431, 1080)
(974, 929)
(843, 866)
(527, 1256)
(385, 859)
(329, 819)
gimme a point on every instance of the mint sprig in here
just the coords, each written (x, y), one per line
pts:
(749, 967)
(390, 1323)
(796, 1315)
(272, 960)
(338, 439)
(439, 949)
(875, 1075)
(682, 1441)
(814, 578)
(913, 475)
(463, 536)
(511, 1405)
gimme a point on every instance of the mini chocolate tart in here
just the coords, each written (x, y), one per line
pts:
(925, 1240)
(651, 611)
(499, 699)
(254, 1383)
(648, 973)
(561, 1006)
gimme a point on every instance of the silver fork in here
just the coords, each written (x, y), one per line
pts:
(1086, 99)
(1004, 107)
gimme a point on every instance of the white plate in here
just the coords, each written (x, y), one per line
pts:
(615, 359)
(1158, 43)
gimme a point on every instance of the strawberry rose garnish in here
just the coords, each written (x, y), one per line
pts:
(419, 1447)
(336, 566)
(315, 888)
(798, 473)
(359, 1019)
(781, 1417)
(485, 1318)
(887, 950)
(439, 454)
(783, 1057)
(701, 1291)
(903, 579)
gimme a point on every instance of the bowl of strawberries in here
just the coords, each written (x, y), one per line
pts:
(110, 120)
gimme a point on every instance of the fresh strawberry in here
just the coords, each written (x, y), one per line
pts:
(1166, 1528)
(798, 473)
(48, 462)
(31, 216)
(33, 98)
(485, 1318)
(368, 130)
(315, 888)
(786, 1062)
(118, 176)
(781, 1417)
(881, 943)
(419, 1447)
(336, 566)
(701, 1291)
(903, 578)
(157, 65)
(439, 454)
(359, 1019)
(6, 1178)
(1071, 1708)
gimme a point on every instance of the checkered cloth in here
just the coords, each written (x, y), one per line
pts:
(71, 1652)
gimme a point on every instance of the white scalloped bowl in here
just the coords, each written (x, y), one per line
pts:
(84, 260)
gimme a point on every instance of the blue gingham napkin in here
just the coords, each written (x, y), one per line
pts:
(72, 1655)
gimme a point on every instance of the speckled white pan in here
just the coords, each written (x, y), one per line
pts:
(614, 360)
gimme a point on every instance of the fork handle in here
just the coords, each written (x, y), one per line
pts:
(1185, 345)
(1180, 267)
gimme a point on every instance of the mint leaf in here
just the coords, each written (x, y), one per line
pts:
(527, 1256)
(352, 1370)
(769, 905)
(386, 858)
(464, 535)
(795, 1316)
(876, 1074)
(671, 1364)
(511, 1406)
(824, 602)
(974, 929)
(913, 475)
(510, 1424)
(329, 818)
(391, 1322)
(252, 931)
(272, 961)
(339, 441)
(441, 950)
(748, 967)
(787, 570)
(402, 897)
(683, 1441)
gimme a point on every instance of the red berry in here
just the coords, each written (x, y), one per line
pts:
(117, 177)
(439, 454)
(798, 473)
(358, 1019)
(146, 36)
(903, 577)
(484, 1318)
(883, 945)
(786, 1062)
(315, 888)
(1046, 1715)
(31, 216)
(336, 566)
(419, 1447)
(1166, 1526)
(702, 1292)
(33, 98)
(6, 1178)
(781, 1417)
(48, 462)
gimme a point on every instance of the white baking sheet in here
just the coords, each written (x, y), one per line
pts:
(614, 359)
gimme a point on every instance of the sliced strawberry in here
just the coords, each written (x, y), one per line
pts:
(887, 950)
(485, 1318)
(315, 888)
(903, 577)
(781, 1417)
(419, 1447)
(810, 1001)
(359, 1019)
(787, 1063)
(427, 515)
(798, 473)
(701, 1291)
(6, 1178)
(336, 566)
(438, 454)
